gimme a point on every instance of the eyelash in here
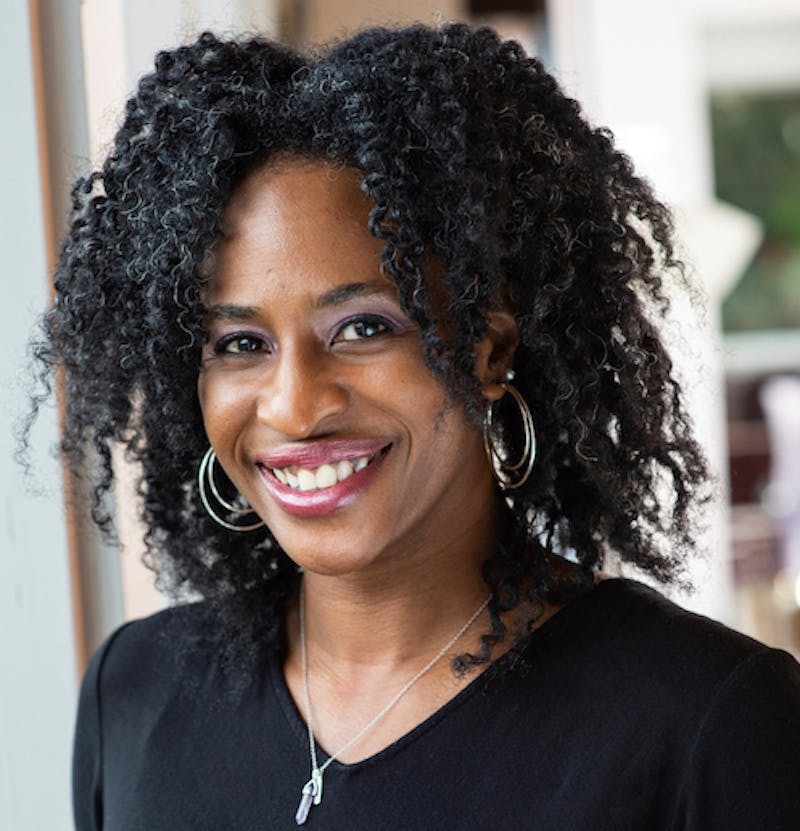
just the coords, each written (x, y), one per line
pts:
(221, 346)
(382, 325)
(379, 324)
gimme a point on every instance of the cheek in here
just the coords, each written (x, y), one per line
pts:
(224, 405)
(409, 379)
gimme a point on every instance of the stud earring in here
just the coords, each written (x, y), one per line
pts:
(205, 479)
(510, 476)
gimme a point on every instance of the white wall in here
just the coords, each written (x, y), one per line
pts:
(37, 657)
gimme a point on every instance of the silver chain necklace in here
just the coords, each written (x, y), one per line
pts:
(311, 793)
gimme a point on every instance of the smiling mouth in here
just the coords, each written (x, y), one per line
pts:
(308, 479)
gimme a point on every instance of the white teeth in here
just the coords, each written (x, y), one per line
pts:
(344, 469)
(325, 476)
(306, 480)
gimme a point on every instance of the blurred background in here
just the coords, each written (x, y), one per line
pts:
(704, 95)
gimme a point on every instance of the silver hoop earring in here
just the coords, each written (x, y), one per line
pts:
(510, 476)
(205, 478)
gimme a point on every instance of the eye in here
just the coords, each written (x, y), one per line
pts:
(361, 328)
(239, 344)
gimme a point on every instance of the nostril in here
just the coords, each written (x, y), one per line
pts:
(302, 404)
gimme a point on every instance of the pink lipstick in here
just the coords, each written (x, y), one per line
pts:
(305, 458)
(314, 454)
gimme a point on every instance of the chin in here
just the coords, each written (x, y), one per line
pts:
(327, 560)
(331, 565)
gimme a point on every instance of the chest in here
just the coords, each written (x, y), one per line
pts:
(501, 757)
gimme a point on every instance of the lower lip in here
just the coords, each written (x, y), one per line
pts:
(327, 501)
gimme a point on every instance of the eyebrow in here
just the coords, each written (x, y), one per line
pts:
(341, 294)
(230, 312)
(335, 297)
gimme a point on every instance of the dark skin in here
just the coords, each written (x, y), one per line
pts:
(308, 346)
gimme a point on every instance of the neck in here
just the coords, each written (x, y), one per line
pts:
(402, 610)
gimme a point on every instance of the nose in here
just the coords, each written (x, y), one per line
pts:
(303, 395)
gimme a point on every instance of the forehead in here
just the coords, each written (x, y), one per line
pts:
(296, 222)
(297, 192)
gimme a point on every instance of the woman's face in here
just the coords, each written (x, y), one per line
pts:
(313, 388)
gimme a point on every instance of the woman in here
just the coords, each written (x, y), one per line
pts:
(379, 325)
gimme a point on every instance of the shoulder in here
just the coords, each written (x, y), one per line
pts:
(145, 659)
(132, 670)
(716, 712)
(630, 617)
(743, 770)
(637, 645)
(147, 642)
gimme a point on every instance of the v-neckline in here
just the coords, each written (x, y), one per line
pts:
(297, 723)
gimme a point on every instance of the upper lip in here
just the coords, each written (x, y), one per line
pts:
(316, 453)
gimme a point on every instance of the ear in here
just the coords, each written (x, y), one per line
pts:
(494, 353)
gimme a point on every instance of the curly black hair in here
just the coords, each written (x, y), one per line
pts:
(473, 155)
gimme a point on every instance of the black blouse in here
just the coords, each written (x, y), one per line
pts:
(628, 713)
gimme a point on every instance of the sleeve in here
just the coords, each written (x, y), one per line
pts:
(87, 748)
(744, 771)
